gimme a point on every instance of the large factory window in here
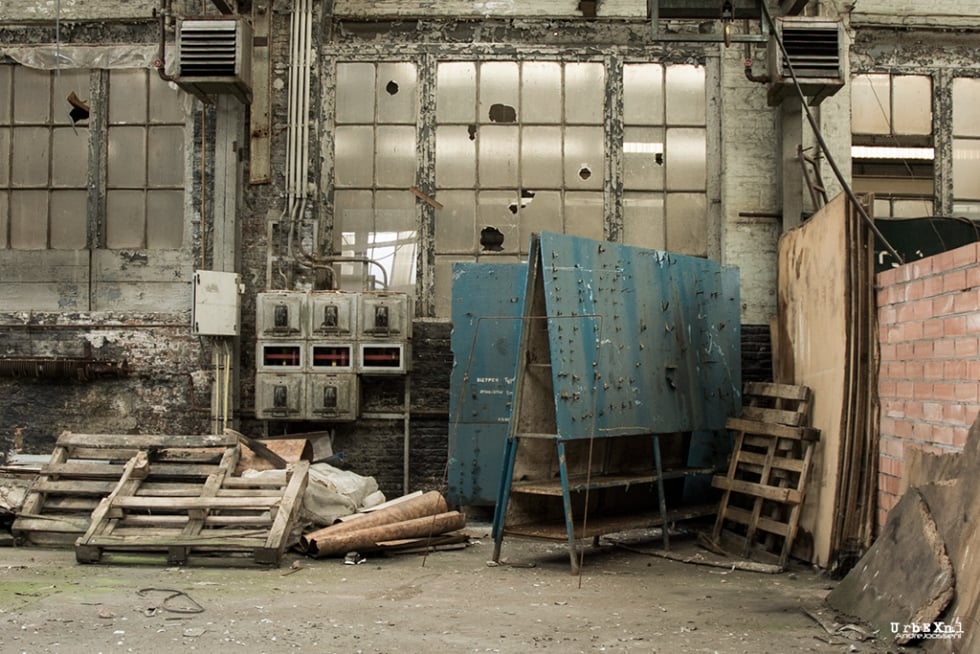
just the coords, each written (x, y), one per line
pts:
(145, 165)
(51, 152)
(664, 157)
(966, 147)
(375, 166)
(43, 160)
(893, 151)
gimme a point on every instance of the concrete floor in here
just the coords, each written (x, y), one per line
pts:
(623, 601)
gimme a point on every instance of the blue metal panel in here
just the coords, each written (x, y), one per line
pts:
(640, 340)
(487, 307)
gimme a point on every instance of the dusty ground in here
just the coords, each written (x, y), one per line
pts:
(449, 601)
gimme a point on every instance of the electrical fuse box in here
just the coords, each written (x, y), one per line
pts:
(333, 314)
(278, 356)
(326, 356)
(384, 315)
(217, 303)
(281, 315)
(383, 358)
(281, 397)
(333, 397)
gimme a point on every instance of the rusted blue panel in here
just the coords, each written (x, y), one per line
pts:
(640, 340)
(487, 307)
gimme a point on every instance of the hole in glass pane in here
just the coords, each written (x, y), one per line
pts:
(391, 87)
(471, 130)
(584, 172)
(491, 239)
(502, 113)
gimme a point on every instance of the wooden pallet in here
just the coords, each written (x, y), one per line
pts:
(225, 516)
(84, 468)
(763, 492)
(110, 493)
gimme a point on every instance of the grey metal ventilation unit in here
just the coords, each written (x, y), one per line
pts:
(815, 47)
(214, 56)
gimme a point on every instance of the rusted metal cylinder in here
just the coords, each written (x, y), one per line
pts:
(333, 544)
(426, 504)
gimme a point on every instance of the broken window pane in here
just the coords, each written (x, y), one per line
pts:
(685, 95)
(643, 158)
(541, 92)
(65, 83)
(966, 99)
(26, 231)
(585, 157)
(127, 97)
(499, 95)
(585, 93)
(495, 216)
(355, 93)
(69, 222)
(396, 91)
(126, 164)
(643, 95)
(125, 219)
(541, 213)
(455, 157)
(456, 93)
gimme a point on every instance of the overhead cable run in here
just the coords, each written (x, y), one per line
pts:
(822, 143)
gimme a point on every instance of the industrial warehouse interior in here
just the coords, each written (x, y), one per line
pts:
(489, 326)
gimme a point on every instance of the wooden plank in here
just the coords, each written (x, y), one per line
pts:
(781, 462)
(292, 500)
(195, 503)
(100, 522)
(788, 417)
(81, 470)
(147, 441)
(796, 392)
(776, 494)
(745, 517)
(772, 430)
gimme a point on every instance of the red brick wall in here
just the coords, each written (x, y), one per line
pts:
(929, 374)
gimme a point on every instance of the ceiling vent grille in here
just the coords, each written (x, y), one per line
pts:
(214, 57)
(814, 47)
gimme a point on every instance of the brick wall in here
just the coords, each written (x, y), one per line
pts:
(929, 373)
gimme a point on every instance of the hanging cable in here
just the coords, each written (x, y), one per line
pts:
(823, 144)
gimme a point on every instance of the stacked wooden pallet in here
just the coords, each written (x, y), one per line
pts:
(167, 494)
(763, 492)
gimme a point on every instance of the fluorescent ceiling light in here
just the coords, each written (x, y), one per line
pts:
(642, 147)
(877, 152)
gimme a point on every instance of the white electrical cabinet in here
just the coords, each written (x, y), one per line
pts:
(314, 346)
(217, 303)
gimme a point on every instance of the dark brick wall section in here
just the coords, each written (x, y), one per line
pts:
(756, 353)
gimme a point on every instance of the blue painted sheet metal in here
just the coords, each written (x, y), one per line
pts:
(487, 306)
(640, 340)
